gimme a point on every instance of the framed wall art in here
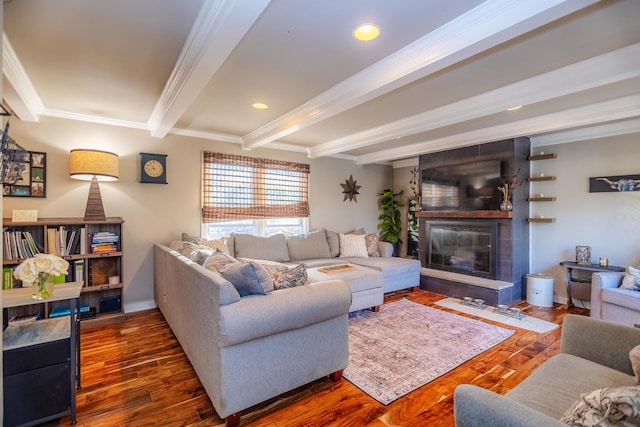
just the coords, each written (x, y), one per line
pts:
(619, 183)
(32, 181)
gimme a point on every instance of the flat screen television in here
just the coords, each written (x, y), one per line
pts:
(462, 187)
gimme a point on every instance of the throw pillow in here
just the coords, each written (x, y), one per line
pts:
(371, 240)
(196, 253)
(296, 276)
(610, 406)
(334, 243)
(186, 237)
(218, 260)
(272, 248)
(249, 278)
(634, 356)
(353, 246)
(216, 244)
(309, 246)
(631, 279)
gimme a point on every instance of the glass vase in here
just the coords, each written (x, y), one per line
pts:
(42, 288)
(506, 205)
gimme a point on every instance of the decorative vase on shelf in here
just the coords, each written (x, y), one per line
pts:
(43, 287)
(506, 205)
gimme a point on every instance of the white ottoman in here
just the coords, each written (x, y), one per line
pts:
(365, 283)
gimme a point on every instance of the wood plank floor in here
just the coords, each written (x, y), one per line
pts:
(135, 374)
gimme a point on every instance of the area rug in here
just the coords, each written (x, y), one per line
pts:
(529, 323)
(406, 345)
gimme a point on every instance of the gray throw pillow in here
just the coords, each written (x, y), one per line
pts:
(249, 278)
(309, 246)
(333, 239)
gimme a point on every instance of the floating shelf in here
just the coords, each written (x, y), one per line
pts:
(541, 178)
(541, 199)
(464, 214)
(543, 157)
(547, 220)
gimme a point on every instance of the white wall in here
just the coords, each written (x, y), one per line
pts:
(160, 213)
(608, 222)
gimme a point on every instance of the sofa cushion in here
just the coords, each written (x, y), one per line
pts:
(622, 297)
(609, 406)
(216, 244)
(353, 245)
(584, 377)
(310, 245)
(196, 253)
(631, 279)
(272, 248)
(249, 278)
(334, 243)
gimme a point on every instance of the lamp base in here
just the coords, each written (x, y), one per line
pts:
(94, 210)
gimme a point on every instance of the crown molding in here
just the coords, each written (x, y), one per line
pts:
(605, 69)
(482, 28)
(23, 99)
(591, 132)
(618, 109)
(218, 28)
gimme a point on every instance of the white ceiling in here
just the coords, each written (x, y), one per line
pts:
(441, 75)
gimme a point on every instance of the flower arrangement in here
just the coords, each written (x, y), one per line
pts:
(40, 269)
(507, 187)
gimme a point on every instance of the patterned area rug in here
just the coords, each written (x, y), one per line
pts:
(405, 345)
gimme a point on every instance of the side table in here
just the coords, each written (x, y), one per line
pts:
(583, 283)
(41, 360)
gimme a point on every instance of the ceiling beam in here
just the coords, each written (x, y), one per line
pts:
(605, 130)
(618, 109)
(484, 27)
(21, 95)
(605, 69)
(219, 27)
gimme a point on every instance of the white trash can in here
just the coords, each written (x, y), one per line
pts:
(540, 290)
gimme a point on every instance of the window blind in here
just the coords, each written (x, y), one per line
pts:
(239, 187)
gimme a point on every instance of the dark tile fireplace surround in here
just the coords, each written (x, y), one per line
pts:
(509, 253)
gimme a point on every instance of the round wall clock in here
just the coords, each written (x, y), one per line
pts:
(153, 168)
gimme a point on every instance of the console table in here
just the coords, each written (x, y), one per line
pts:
(584, 285)
(41, 360)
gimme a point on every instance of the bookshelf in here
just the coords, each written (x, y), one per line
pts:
(97, 262)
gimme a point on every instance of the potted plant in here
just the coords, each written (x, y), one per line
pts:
(391, 218)
(412, 219)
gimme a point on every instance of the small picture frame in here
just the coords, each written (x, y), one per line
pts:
(583, 255)
(32, 171)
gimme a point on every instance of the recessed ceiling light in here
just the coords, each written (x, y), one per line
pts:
(514, 108)
(366, 32)
(259, 106)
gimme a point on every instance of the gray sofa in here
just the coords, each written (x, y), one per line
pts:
(594, 354)
(322, 248)
(246, 350)
(610, 302)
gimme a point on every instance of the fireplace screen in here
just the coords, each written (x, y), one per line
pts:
(461, 247)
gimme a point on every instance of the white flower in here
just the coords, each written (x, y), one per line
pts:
(29, 269)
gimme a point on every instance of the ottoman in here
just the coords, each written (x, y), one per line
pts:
(365, 283)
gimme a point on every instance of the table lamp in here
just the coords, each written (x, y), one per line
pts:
(94, 166)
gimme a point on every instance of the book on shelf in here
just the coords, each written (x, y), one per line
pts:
(18, 245)
(7, 278)
(78, 267)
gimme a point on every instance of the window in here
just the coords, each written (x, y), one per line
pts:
(253, 195)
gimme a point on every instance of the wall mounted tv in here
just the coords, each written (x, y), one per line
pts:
(462, 187)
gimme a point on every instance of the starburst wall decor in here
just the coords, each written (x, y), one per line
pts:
(350, 189)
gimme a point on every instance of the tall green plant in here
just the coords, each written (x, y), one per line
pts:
(390, 218)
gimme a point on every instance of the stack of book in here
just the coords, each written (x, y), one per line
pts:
(104, 242)
(19, 245)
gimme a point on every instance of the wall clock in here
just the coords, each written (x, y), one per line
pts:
(153, 168)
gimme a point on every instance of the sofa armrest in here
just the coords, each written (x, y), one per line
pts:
(385, 249)
(600, 341)
(476, 407)
(600, 281)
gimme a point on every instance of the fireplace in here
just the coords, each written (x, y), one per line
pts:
(466, 247)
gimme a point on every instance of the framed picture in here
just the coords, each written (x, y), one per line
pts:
(618, 183)
(31, 169)
(583, 255)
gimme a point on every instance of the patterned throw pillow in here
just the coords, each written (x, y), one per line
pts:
(610, 406)
(371, 240)
(196, 253)
(631, 280)
(634, 357)
(284, 277)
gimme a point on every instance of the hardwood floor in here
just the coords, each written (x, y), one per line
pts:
(135, 374)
